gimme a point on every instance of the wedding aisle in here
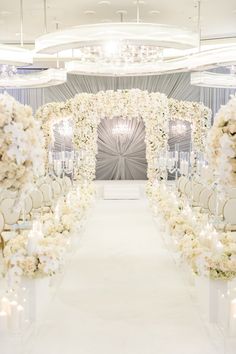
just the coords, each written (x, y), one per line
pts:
(122, 293)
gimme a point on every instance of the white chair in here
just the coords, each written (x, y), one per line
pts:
(182, 184)
(56, 189)
(46, 190)
(204, 196)
(229, 212)
(188, 189)
(28, 205)
(10, 213)
(212, 203)
(37, 198)
(180, 179)
(197, 188)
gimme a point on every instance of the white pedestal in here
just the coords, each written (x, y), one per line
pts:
(36, 295)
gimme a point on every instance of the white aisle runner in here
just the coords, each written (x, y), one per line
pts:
(122, 294)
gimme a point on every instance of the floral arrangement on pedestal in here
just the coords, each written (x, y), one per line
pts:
(222, 143)
(45, 260)
(207, 252)
(21, 147)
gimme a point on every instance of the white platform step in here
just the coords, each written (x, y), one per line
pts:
(124, 191)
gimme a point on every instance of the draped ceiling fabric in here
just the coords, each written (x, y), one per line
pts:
(121, 157)
(173, 85)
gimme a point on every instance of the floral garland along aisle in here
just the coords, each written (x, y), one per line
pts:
(222, 144)
(22, 164)
(155, 109)
(22, 146)
(193, 236)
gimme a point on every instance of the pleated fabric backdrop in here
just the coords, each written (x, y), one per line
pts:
(121, 156)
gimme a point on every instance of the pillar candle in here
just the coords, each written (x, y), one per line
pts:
(233, 308)
(5, 305)
(31, 245)
(20, 311)
(3, 321)
(13, 319)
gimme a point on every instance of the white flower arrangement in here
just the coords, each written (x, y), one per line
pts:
(222, 143)
(207, 252)
(51, 237)
(46, 260)
(21, 146)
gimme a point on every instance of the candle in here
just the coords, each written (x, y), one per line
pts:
(31, 245)
(176, 155)
(5, 305)
(233, 308)
(57, 213)
(192, 157)
(219, 247)
(20, 311)
(3, 321)
(13, 319)
(70, 165)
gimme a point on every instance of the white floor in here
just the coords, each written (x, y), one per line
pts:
(122, 293)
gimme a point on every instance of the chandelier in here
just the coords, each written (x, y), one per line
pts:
(10, 56)
(125, 48)
(178, 128)
(7, 71)
(65, 129)
(121, 129)
(118, 53)
(14, 56)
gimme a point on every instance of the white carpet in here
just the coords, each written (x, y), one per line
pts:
(122, 293)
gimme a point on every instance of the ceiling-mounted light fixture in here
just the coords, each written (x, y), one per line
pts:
(16, 56)
(43, 78)
(115, 47)
(211, 79)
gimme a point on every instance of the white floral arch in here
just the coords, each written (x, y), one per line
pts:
(154, 108)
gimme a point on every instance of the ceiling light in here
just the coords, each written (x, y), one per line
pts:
(15, 56)
(89, 12)
(211, 79)
(104, 2)
(44, 78)
(154, 12)
(96, 34)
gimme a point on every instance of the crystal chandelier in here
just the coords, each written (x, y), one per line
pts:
(65, 129)
(121, 129)
(9, 78)
(178, 128)
(119, 53)
(7, 71)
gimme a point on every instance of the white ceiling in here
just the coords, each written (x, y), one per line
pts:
(218, 16)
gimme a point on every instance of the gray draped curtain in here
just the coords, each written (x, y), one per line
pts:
(121, 156)
(173, 85)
